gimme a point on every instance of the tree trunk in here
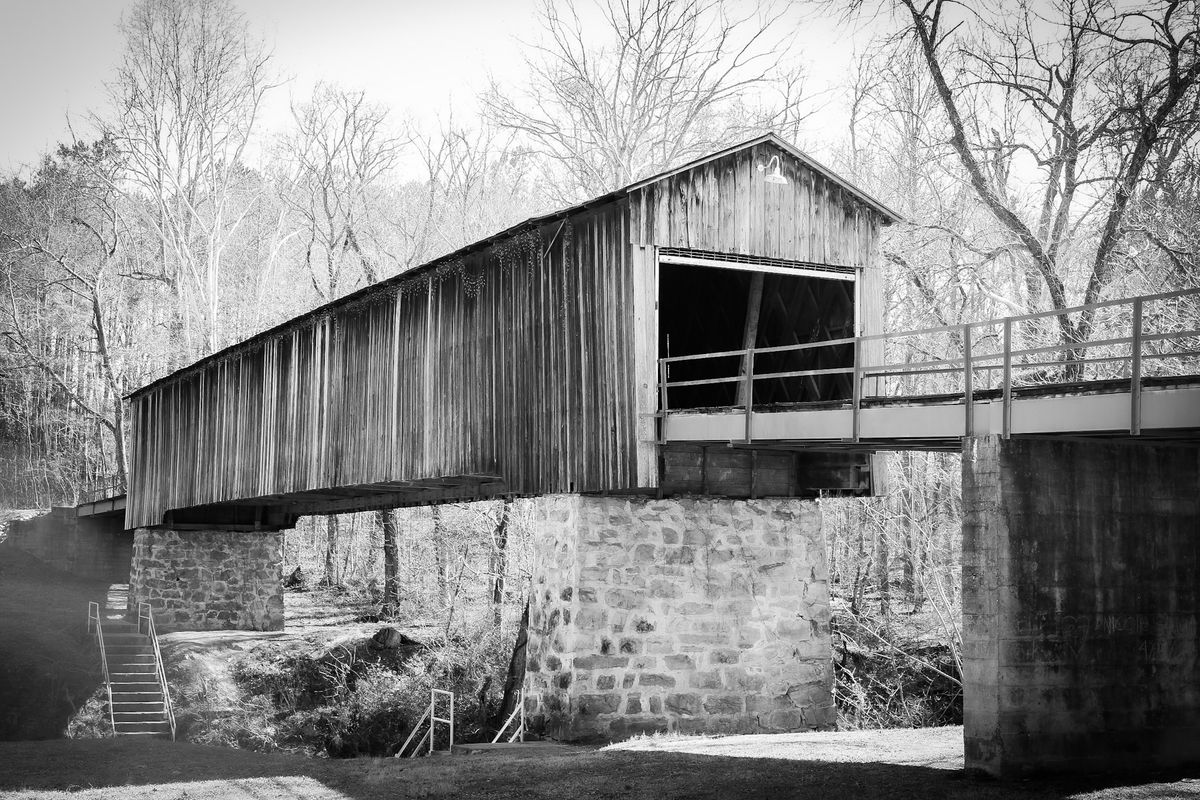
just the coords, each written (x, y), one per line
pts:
(515, 680)
(882, 563)
(499, 565)
(439, 556)
(331, 543)
(391, 564)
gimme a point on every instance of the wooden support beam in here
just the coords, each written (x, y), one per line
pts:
(750, 337)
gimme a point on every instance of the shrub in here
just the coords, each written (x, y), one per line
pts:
(893, 674)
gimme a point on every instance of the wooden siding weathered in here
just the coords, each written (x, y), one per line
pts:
(726, 205)
(530, 357)
(515, 361)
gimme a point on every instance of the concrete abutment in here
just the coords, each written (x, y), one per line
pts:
(1081, 598)
(199, 580)
(697, 615)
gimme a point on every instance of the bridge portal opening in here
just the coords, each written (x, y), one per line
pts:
(706, 306)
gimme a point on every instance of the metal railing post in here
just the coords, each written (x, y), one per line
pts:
(968, 384)
(856, 389)
(1006, 405)
(145, 612)
(662, 385)
(94, 617)
(1135, 372)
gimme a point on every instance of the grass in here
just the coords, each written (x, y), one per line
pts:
(126, 769)
(47, 667)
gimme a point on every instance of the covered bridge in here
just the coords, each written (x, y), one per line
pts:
(527, 363)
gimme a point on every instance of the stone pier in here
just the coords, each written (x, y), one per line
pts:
(1081, 597)
(198, 580)
(697, 615)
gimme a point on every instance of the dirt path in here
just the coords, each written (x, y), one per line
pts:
(839, 766)
(932, 748)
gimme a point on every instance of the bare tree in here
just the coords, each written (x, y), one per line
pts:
(1084, 99)
(475, 182)
(340, 149)
(185, 100)
(59, 241)
(639, 86)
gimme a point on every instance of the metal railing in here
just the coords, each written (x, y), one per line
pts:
(518, 713)
(145, 615)
(93, 621)
(430, 716)
(987, 360)
(102, 488)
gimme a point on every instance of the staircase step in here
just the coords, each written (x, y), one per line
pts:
(143, 729)
(130, 700)
(137, 706)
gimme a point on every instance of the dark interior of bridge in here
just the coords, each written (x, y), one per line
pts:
(709, 309)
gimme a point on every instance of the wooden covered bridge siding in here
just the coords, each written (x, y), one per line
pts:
(526, 363)
(501, 364)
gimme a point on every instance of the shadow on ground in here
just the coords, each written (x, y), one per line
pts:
(48, 667)
(159, 769)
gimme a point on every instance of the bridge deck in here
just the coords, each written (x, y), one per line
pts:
(939, 422)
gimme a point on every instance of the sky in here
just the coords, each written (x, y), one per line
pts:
(419, 58)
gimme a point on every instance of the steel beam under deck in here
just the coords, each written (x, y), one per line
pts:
(104, 507)
(940, 424)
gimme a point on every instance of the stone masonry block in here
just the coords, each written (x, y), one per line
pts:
(673, 625)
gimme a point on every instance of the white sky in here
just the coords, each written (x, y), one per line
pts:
(417, 57)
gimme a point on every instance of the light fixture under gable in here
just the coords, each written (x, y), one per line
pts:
(775, 175)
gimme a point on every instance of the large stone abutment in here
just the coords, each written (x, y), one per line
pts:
(198, 580)
(1081, 597)
(705, 615)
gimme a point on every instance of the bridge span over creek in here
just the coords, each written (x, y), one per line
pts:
(676, 370)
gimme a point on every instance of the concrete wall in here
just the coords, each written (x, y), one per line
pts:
(1081, 597)
(89, 547)
(691, 615)
(209, 579)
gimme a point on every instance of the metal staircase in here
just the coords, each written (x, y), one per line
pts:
(138, 700)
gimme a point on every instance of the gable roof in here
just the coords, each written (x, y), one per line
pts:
(888, 215)
(808, 161)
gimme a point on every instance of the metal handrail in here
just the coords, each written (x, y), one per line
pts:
(431, 717)
(411, 734)
(94, 618)
(103, 488)
(145, 613)
(434, 719)
(520, 731)
(968, 364)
